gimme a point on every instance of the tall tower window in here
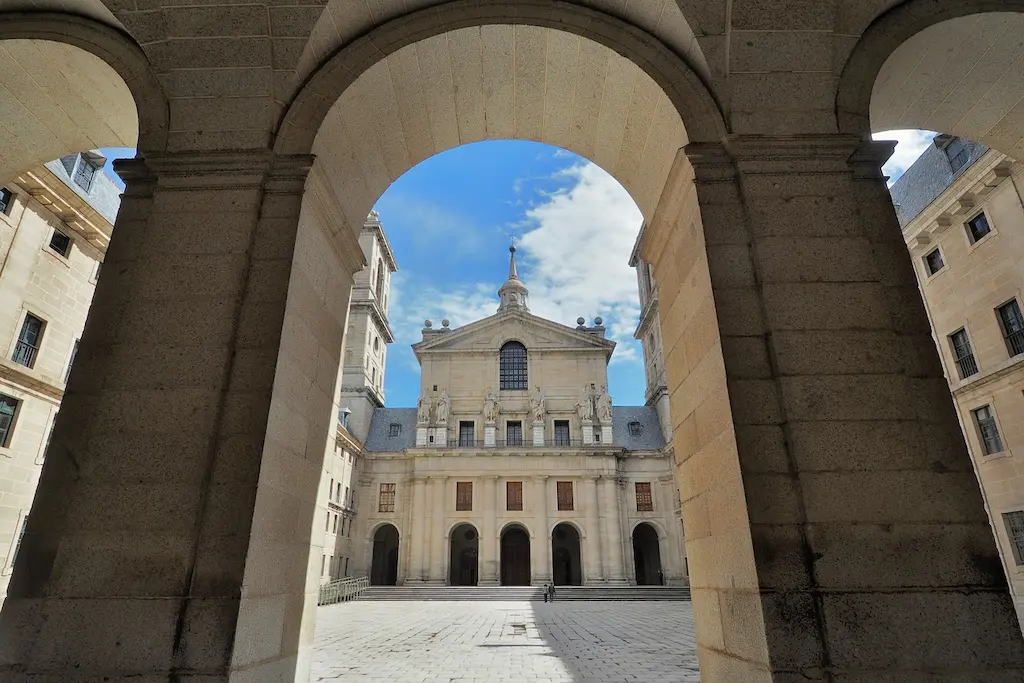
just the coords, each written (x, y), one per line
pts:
(512, 362)
(380, 280)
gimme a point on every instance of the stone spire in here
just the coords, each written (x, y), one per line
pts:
(513, 293)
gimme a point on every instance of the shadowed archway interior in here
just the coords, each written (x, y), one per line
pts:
(384, 561)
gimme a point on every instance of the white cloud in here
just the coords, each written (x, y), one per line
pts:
(573, 256)
(910, 145)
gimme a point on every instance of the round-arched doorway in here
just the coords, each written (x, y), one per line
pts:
(384, 564)
(647, 556)
(566, 566)
(515, 557)
(463, 561)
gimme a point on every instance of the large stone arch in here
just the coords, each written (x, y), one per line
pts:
(892, 43)
(147, 130)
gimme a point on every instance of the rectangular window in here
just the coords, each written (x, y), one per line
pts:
(597, 435)
(5, 200)
(978, 227)
(84, 173)
(337, 493)
(467, 433)
(345, 499)
(463, 496)
(395, 429)
(514, 495)
(966, 365)
(1013, 327)
(957, 153)
(71, 361)
(346, 563)
(323, 564)
(564, 491)
(21, 537)
(8, 409)
(335, 525)
(28, 341)
(1014, 522)
(69, 162)
(985, 421)
(644, 500)
(933, 261)
(562, 433)
(327, 522)
(514, 433)
(387, 498)
(60, 243)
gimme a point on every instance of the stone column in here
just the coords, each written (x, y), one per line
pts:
(174, 538)
(438, 545)
(489, 560)
(592, 571)
(540, 544)
(834, 525)
(415, 537)
(672, 553)
(614, 572)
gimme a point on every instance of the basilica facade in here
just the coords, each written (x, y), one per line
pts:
(515, 468)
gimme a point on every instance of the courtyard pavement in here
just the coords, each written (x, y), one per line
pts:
(495, 642)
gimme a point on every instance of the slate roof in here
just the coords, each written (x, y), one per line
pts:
(926, 179)
(650, 437)
(380, 427)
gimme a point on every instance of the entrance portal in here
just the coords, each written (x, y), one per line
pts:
(384, 565)
(567, 569)
(515, 557)
(464, 553)
(647, 556)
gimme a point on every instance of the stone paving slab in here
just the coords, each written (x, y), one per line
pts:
(498, 642)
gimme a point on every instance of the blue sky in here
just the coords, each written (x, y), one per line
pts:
(450, 220)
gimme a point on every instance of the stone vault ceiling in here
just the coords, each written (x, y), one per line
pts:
(56, 99)
(964, 76)
(497, 82)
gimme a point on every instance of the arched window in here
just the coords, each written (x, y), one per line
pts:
(513, 366)
(380, 280)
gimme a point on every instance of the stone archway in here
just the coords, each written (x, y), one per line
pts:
(647, 556)
(515, 556)
(566, 559)
(384, 561)
(464, 556)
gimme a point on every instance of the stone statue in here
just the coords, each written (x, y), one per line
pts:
(537, 405)
(491, 406)
(585, 405)
(444, 406)
(604, 405)
(423, 410)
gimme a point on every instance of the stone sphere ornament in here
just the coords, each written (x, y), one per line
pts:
(580, 320)
(428, 323)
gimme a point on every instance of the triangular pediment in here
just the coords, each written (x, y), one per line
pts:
(490, 333)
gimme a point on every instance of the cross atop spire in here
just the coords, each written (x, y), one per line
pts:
(512, 275)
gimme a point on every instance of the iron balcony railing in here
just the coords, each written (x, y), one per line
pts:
(342, 590)
(25, 354)
(525, 442)
(1015, 340)
(967, 366)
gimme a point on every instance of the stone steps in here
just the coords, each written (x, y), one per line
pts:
(525, 593)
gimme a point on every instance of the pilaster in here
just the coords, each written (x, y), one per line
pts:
(592, 574)
(540, 544)
(490, 562)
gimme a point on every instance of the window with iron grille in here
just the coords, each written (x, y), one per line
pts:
(1014, 522)
(514, 433)
(60, 243)
(978, 227)
(84, 173)
(28, 341)
(635, 429)
(8, 409)
(933, 261)
(564, 491)
(467, 432)
(644, 500)
(387, 498)
(966, 365)
(562, 433)
(395, 429)
(512, 366)
(5, 200)
(957, 153)
(985, 421)
(513, 495)
(1013, 326)
(463, 496)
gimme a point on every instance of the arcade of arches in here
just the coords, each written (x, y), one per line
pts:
(834, 526)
